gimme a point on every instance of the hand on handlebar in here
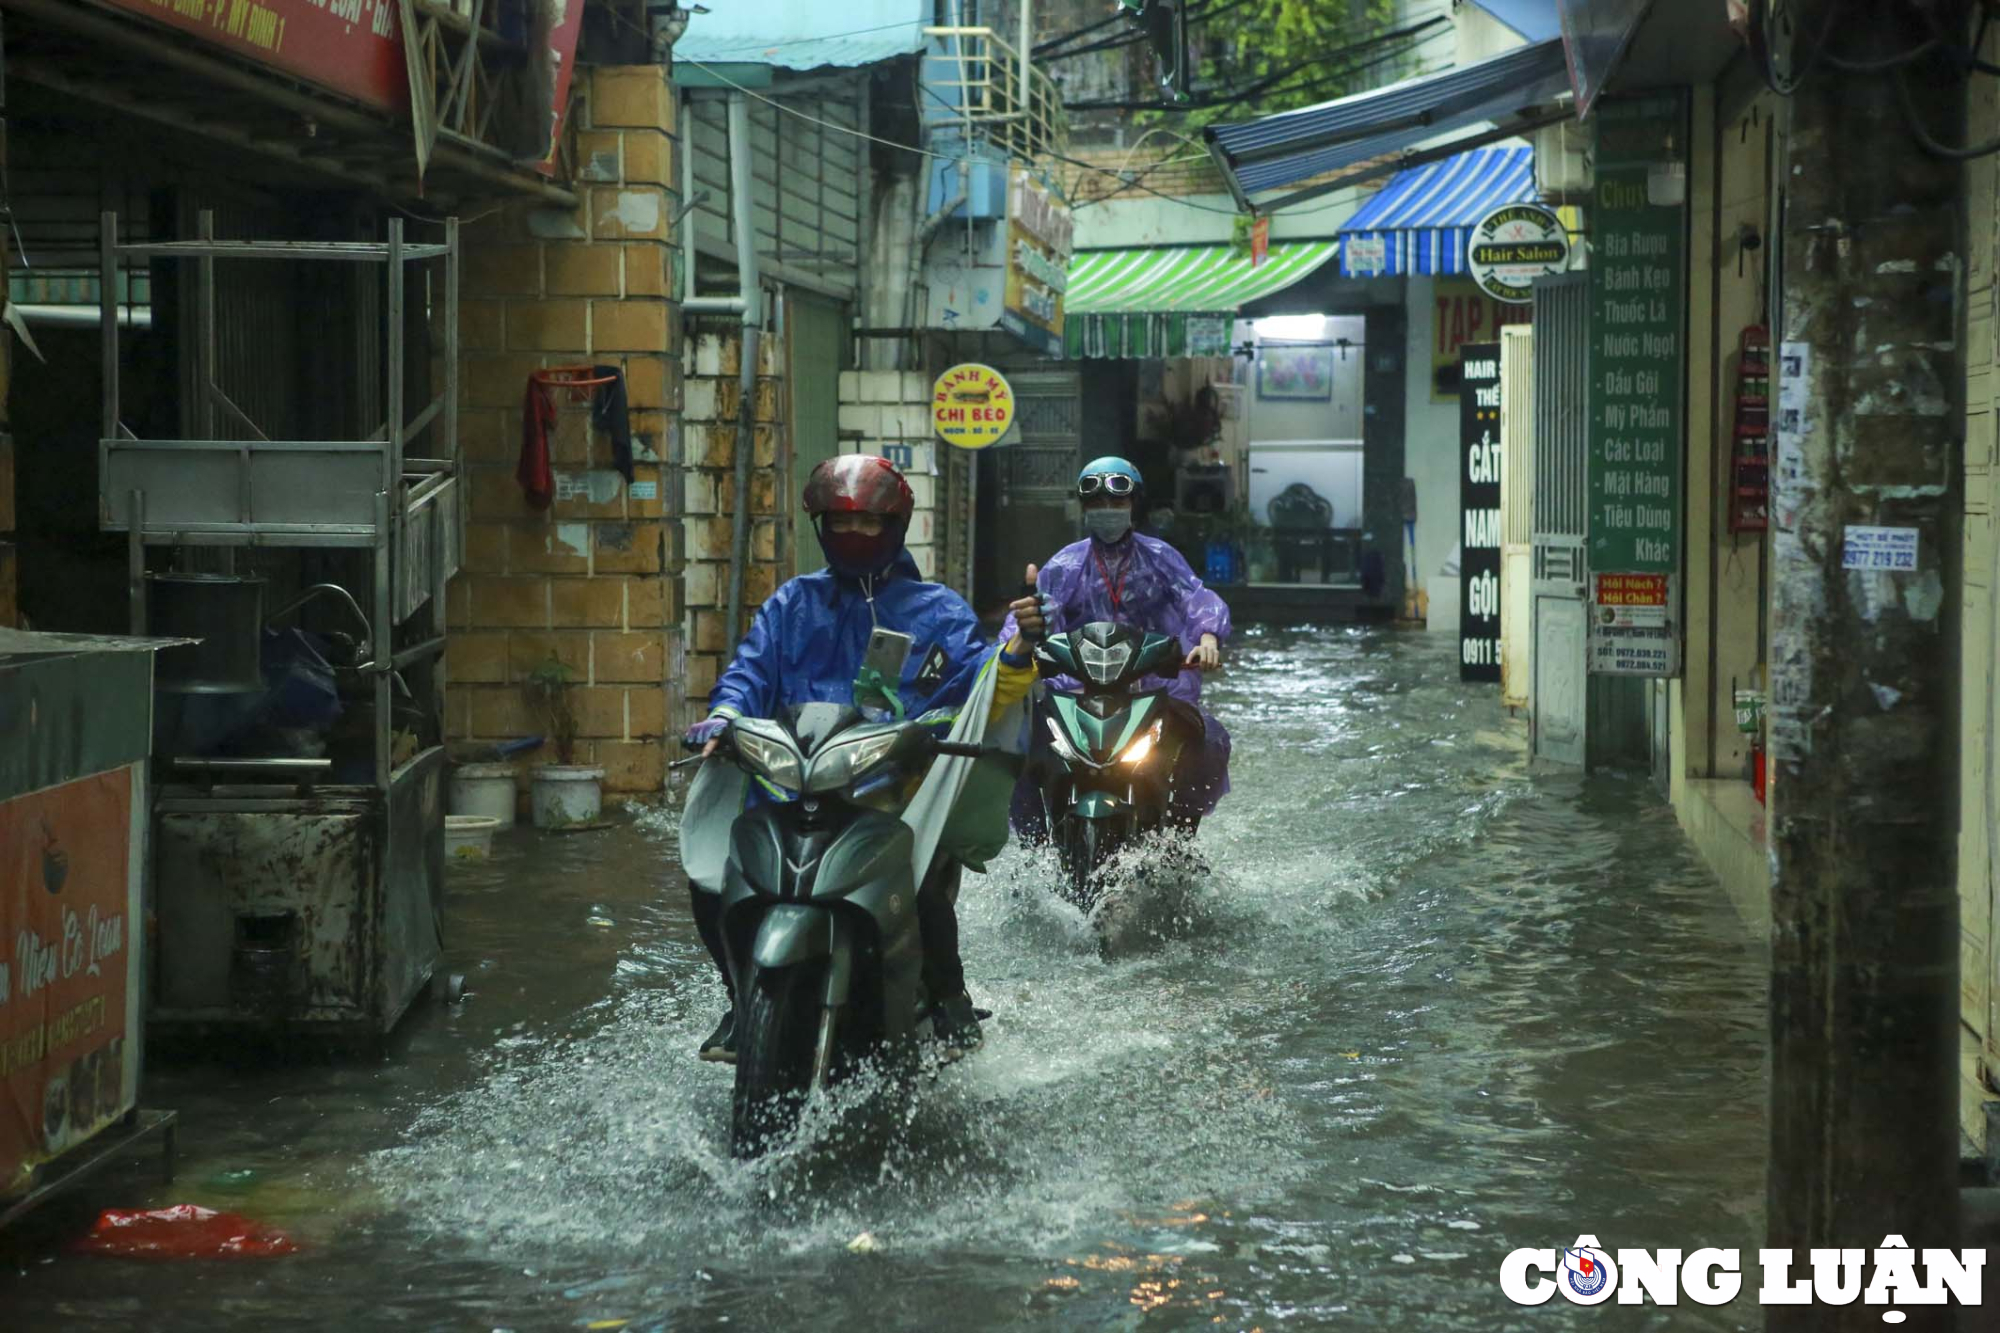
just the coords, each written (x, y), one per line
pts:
(1207, 655)
(706, 735)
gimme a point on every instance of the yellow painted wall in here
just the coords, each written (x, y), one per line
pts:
(1729, 175)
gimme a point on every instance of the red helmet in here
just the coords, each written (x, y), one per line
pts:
(858, 484)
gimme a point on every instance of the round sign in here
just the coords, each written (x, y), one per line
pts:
(1512, 246)
(972, 406)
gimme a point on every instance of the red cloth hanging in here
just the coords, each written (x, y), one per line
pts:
(538, 417)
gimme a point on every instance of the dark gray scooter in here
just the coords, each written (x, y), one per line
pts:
(819, 916)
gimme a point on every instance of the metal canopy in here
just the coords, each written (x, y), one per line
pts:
(1514, 91)
(1420, 220)
(123, 64)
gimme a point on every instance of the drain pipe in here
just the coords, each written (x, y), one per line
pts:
(921, 242)
(750, 295)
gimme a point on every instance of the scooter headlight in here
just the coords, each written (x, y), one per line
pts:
(842, 764)
(777, 762)
(1136, 752)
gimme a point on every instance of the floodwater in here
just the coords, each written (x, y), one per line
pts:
(1429, 1006)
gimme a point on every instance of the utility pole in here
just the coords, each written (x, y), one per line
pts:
(1864, 909)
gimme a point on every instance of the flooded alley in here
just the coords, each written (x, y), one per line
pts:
(1430, 1006)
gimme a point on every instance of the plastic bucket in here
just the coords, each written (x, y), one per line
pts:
(566, 794)
(484, 789)
(469, 835)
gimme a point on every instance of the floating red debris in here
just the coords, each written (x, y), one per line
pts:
(184, 1231)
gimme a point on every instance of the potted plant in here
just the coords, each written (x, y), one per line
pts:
(564, 793)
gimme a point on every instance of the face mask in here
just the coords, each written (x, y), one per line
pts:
(856, 554)
(1107, 525)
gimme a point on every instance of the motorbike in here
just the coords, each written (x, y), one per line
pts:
(1112, 747)
(819, 908)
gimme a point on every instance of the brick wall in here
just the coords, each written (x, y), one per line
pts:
(590, 580)
(888, 412)
(713, 365)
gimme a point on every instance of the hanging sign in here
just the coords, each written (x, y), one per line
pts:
(1512, 246)
(1634, 408)
(1479, 513)
(1260, 240)
(972, 406)
(1461, 314)
(1040, 235)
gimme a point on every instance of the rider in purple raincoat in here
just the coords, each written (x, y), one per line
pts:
(1119, 575)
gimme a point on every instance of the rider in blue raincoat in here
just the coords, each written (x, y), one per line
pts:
(1119, 575)
(808, 644)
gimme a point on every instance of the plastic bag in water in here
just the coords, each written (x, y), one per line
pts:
(184, 1231)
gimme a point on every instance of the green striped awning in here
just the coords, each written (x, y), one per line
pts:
(1172, 301)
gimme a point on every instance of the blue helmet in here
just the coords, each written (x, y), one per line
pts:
(1111, 475)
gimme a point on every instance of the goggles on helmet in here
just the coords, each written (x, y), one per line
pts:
(1111, 483)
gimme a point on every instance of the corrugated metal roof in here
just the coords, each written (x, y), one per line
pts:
(1294, 146)
(804, 34)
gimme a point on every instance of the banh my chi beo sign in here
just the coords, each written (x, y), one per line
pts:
(1512, 246)
(972, 406)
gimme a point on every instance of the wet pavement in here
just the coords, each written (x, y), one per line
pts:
(1428, 1007)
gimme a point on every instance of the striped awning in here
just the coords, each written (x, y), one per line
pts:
(1172, 301)
(1345, 140)
(1419, 221)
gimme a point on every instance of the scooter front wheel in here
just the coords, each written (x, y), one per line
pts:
(774, 1059)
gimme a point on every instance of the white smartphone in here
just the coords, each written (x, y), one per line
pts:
(888, 650)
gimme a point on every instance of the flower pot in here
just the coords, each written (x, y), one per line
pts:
(484, 789)
(469, 836)
(566, 794)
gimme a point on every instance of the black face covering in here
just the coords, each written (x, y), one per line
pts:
(856, 554)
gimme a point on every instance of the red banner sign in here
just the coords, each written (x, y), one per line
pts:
(351, 47)
(1632, 590)
(65, 895)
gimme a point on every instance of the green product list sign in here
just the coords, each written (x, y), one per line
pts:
(1636, 401)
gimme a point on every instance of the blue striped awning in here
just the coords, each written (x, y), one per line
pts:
(1419, 221)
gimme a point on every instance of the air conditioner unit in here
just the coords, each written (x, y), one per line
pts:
(1563, 172)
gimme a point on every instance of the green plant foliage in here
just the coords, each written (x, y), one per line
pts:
(547, 692)
(1284, 54)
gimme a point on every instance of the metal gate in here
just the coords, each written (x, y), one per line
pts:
(1559, 698)
(1038, 474)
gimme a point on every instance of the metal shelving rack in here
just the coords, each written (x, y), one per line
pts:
(374, 495)
(368, 494)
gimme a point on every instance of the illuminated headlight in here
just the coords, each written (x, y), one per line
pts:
(778, 762)
(1064, 750)
(1136, 752)
(845, 763)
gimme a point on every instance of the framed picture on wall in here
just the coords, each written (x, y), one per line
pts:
(1295, 373)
